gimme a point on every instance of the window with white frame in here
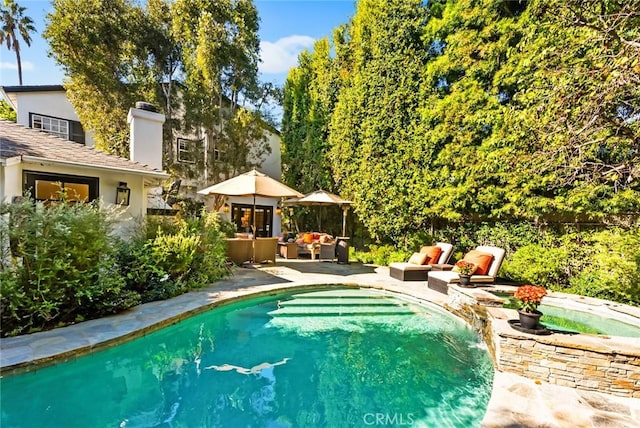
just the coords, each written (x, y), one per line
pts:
(52, 125)
(67, 129)
(187, 150)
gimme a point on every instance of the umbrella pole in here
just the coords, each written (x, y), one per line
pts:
(253, 241)
(344, 222)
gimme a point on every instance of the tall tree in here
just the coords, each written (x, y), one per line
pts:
(14, 23)
(220, 56)
(202, 54)
(585, 60)
(375, 155)
(310, 93)
(465, 120)
(101, 48)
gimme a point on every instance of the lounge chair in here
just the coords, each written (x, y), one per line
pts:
(440, 281)
(408, 271)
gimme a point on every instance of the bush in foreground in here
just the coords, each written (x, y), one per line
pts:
(62, 264)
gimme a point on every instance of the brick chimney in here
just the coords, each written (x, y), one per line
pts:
(146, 134)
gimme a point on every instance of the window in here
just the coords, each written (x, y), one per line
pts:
(49, 187)
(67, 129)
(187, 150)
(241, 216)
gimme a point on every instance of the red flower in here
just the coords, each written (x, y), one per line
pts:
(530, 296)
(464, 267)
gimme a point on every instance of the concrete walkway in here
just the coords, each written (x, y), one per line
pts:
(515, 401)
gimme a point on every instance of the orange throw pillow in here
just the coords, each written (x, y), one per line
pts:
(307, 238)
(481, 259)
(432, 252)
(418, 258)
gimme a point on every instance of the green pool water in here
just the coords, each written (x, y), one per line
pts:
(330, 358)
(576, 321)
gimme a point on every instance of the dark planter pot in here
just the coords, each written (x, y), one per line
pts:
(529, 320)
(465, 280)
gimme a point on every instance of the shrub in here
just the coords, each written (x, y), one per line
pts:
(381, 255)
(537, 264)
(612, 269)
(170, 256)
(59, 266)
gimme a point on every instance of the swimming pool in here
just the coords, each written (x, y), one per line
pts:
(328, 358)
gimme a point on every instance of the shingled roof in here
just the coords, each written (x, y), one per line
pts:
(31, 144)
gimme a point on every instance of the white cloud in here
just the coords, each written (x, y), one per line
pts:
(26, 65)
(280, 56)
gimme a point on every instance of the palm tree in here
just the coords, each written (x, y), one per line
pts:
(14, 21)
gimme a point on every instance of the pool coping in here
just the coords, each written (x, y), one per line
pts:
(30, 352)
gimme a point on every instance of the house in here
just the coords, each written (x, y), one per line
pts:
(43, 163)
(47, 108)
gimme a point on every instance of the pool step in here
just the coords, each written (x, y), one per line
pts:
(337, 301)
(342, 293)
(343, 303)
(327, 310)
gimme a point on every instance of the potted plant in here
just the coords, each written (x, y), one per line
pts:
(464, 269)
(529, 297)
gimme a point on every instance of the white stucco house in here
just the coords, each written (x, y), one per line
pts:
(46, 108)
(42, 163)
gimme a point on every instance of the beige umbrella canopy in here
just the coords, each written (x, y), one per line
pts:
(252, 183)
(322, 197)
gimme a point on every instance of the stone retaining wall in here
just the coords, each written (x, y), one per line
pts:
(610, 372)
(589, 362)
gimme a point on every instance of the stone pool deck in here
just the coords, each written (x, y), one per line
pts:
(515, 402)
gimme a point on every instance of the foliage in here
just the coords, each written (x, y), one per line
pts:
(377, 156)
(309, 96)
(380, 255)
(612, 268)
(174, 255)
(14, 22)
(530, 296)
(541, 97)
(59, 266)
(7, 112)
(603, 264)
(539, 264)
(195, 59)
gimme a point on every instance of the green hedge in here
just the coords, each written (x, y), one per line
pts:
(603, 263)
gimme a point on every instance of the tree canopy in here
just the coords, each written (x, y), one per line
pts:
(195, 59)
(14, 23)
(466, 109)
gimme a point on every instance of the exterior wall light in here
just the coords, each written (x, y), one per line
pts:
(123, 194)
(226, 208)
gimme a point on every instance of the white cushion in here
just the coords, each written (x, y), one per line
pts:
(409, 266)
(453, 277)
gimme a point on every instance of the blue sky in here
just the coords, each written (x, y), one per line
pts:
(286, 28)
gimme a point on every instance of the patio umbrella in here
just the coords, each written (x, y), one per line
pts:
(252, 183)
(323, 198)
